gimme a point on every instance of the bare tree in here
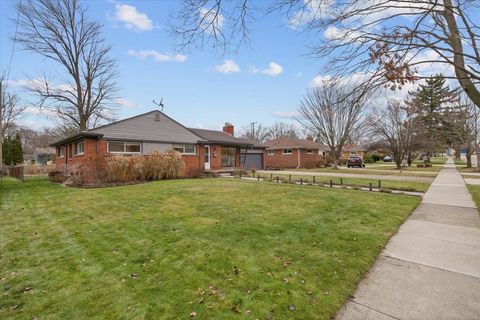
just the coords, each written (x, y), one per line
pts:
(387, 40)
(395, 130)
(10, 111)
(60, 30)
(464, 126)
(282, 130)
(256, 133)
(336, 115)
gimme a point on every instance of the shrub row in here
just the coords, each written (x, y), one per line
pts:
(112, 169)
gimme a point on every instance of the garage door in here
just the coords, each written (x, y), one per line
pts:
(252, 160)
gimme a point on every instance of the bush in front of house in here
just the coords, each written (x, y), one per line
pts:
(36, 169)
(118, 169)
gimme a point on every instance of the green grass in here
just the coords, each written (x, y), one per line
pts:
(221, 248)
(460, 162)
(374, 170)
(413, 168)
(357, 182)
(433, 160)
(475, 192)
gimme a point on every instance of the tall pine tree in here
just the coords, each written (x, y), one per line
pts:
(431, 105)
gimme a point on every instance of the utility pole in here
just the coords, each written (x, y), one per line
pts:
(252, 124)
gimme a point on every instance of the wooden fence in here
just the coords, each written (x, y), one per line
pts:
(16, 172)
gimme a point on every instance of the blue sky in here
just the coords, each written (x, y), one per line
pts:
(264, 83)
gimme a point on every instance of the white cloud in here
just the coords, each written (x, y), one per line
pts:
(228, 66)
(39, 112)
(125, 103)
(211, 23)
(285, 114)
(157, 56)
(317, 81)
(274, 69)
(132, 19)
(28, 83)
(312, 10)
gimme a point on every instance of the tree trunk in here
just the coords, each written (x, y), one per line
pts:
(457, 153)
(458, 55)
(469, 160)
(399, 164)
(335, 162)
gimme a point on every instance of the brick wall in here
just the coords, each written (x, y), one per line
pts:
(193, 163)
(280, 160)
(69, 162)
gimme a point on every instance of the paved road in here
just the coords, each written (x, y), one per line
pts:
(350, 175)
(431, 268)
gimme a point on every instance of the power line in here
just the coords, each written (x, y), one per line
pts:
(13, 48)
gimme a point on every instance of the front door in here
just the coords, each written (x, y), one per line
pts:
(207, 157)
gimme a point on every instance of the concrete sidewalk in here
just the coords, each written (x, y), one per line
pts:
(431, 268)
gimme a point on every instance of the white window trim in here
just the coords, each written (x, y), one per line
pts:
(124, 146)
(59, 153)
(183, 147)
(287, 153)
(76, 148)
(271, 152)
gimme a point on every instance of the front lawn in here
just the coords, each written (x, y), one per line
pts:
(203, 249)
(377, 170)
(407, 185)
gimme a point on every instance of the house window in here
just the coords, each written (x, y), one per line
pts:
(309, 151)
(287, 151)
(185, 148)
(79, 147)
(61, 152)
(123, 147)
(271, 152)
(229, 157)
(353, 153)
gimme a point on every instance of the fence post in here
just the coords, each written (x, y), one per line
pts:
(258, 178)
(289, 177)
(278, 178)
(370, 187)
(379, 184)
(341, 181)
(271, 176)
(313, 179)
(331, 183)
(301, 181)
(253, 174)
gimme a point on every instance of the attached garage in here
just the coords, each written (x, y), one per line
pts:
(252, 159)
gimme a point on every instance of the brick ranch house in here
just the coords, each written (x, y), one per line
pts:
(202, 150)
(293, 153)
(284, 153)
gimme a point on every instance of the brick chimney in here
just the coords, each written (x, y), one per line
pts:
(309, 137)
(228, 128)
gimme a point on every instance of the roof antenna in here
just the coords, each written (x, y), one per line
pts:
(160, 104)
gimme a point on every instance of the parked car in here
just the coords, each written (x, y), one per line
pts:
(355, 161)
(388, 159)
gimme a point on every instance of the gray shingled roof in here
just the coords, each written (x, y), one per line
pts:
(293, 143)
(151, 126)
(214, 136)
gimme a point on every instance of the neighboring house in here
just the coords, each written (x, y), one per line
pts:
(293, 153)
(202, 150)
(353, 150)
(43, 155)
